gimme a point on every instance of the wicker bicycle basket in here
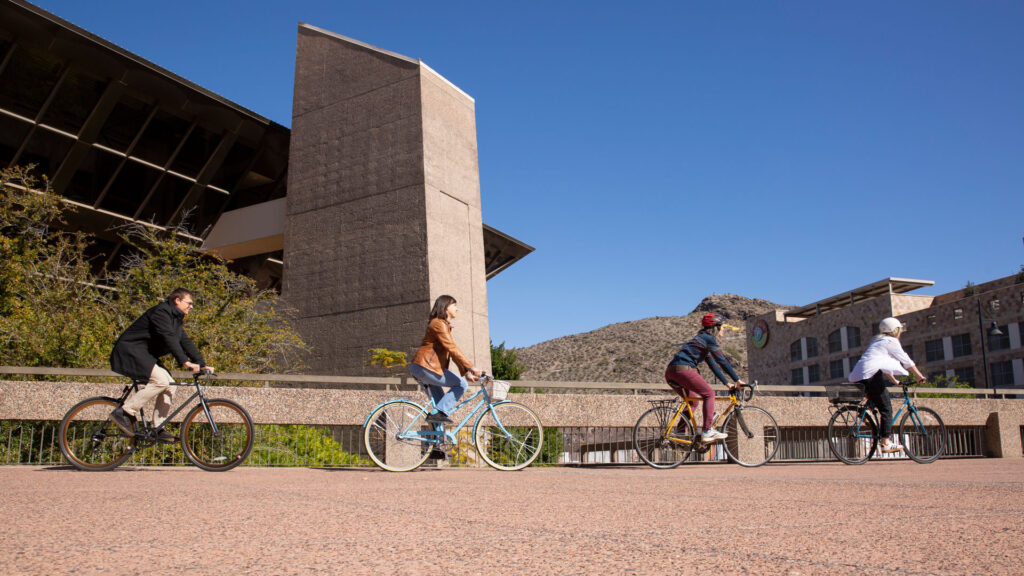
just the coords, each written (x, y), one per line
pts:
(845, 393)
(497, 389)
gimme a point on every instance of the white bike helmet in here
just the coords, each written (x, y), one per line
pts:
(889, 325)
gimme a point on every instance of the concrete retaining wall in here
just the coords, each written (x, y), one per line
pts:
(21, 400)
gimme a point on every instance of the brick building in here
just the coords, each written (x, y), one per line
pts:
(973, 333)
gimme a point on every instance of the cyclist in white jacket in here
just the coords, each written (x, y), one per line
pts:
(878, 367)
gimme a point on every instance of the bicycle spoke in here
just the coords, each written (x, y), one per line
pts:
(394, 436)
(653, 441)
(508, 436)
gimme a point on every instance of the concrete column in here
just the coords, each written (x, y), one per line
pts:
(383, 210)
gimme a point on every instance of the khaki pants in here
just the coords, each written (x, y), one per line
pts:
(159, 387)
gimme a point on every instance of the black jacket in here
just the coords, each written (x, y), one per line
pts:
(157, 332)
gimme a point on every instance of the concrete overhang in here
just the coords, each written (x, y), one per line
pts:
(259, 229)
(873, 290)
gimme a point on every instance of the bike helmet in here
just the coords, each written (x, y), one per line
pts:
(710, 319)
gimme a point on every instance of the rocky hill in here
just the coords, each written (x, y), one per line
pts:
(638, 351)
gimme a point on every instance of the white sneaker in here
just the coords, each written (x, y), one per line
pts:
(890, 448)
(712, 435)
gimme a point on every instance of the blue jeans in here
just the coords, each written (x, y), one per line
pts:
(445, 401)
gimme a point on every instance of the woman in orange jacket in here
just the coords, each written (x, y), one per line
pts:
(438, 350)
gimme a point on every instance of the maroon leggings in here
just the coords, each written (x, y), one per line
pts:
(690, 383)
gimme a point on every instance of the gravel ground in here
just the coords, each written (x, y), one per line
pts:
(951, 517)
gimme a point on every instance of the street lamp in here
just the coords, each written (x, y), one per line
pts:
(994, 331)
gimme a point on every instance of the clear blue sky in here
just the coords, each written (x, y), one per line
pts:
(658, 152)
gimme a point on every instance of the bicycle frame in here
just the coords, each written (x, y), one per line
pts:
(147, 430)
(685, 406)
(907, 404)
(438, 434)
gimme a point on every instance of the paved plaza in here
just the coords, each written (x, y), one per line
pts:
(951, 517)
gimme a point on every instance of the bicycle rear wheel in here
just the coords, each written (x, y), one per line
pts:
(923, 435)
(390, 436)
(753, 436)
(89, 440)
(508, 436)
(656, 445)
(851, 438)
(225, 449)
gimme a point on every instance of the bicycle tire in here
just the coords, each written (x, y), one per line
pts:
(222, 451)
(753, 436)
(654, 447)
(846, 437)
(89, 440)
(508, 436)
(923, 440)
(381, 436)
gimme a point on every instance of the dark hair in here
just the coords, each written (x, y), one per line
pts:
(180, 293)
(440, 309)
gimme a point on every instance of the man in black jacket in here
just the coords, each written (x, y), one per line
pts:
(137, 353)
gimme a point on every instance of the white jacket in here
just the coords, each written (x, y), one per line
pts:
(883, 354)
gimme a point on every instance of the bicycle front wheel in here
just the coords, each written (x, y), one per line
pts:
(392, 436)
(923, 435)
(753, 436)
(508, 436)
(224, 449)
(658, 446)
(89, 440)
(851, 437)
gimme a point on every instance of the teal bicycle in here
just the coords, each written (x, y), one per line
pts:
(507, 435)
(853, 429)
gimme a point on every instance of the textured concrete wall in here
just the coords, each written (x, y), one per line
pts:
(383, 203)
(49, 401)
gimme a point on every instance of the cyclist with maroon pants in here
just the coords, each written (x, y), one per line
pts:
(685, 380)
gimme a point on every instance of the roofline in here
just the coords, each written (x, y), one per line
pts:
(890, 285)
(358, 43)
(135, 58)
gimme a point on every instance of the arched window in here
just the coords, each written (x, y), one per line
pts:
(852, 337)
(812, 347)
(835, 342)
(795, 352)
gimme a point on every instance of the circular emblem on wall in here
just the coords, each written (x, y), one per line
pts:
(760, 334)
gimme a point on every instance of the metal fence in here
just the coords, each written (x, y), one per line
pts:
(35, 443)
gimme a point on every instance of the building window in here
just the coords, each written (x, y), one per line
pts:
(812, 347)
(796, 376)
(852, 336)
(853, 361)
(813, 373)
(965, 375)
(1000, 342)
(958, 314)
(835, 342)
(1002, 373)
(961, 345)
(835, 369)
(795, 353)
(933, 351)
(910, 351)
(930, 320)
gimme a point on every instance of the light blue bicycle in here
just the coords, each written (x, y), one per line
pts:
(507, 435)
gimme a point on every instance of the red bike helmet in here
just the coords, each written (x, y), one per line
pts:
(710, 319)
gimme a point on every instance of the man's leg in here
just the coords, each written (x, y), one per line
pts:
(159, 385)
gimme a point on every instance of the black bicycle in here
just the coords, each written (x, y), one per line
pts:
(215, 435)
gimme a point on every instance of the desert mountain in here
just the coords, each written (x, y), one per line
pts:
(638, 351)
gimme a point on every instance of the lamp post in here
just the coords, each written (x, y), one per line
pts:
(994, 331)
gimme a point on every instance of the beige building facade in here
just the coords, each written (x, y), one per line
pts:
(974, 334)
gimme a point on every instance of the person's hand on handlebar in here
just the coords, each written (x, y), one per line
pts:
(738, 384)
(474, 374)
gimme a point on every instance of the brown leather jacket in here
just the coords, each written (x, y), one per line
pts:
(438, 349)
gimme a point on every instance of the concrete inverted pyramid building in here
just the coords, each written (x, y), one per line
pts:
(383, 204)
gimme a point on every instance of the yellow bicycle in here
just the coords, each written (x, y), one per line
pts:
(667, 435)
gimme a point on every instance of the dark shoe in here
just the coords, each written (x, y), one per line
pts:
(123, 421)
(438, 418)
(166, 437)
(436, 454)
